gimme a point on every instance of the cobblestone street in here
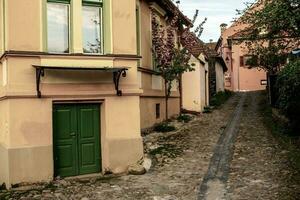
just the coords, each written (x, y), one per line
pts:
(183, 158)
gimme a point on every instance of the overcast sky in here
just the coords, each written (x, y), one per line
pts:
(216, 11)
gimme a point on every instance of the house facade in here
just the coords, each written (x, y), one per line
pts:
(69, 88)
(239, 76)
(217, 69)
(152, 102)
(195, 88)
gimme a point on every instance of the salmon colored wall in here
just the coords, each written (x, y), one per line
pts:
(242, 79)
(219, 77)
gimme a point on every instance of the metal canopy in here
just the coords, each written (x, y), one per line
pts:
(117, 72)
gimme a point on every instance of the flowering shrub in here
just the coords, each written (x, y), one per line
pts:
(171, 60)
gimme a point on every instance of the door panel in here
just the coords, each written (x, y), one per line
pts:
(65, 142)
(89, 142)
(76, 140)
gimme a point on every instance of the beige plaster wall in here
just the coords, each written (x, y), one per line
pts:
(124, 26)
(29, 138)
(121, 138)
(191, 87)
(4, 121)
(21, 77)
(4, 172)
(148, 114)
(1, 76)
(146, 35)
(23, 30)
(203, 88)
(26, 121)
(1, 27)
(219, 77)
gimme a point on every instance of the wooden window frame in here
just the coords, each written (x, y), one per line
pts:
(157, 111)
(98, 4)
(67, 2)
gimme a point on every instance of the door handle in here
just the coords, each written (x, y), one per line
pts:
(73, 134)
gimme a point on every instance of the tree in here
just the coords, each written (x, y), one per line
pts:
(272, 32)
(171, 60)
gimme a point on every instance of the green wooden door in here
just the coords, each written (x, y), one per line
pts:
(76, 130)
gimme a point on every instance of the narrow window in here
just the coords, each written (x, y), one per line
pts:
(92, 20)
(157, 110)
(242, 63)
(58, 26)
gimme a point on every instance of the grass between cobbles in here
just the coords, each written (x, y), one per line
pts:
(220, 98)
(283, 135)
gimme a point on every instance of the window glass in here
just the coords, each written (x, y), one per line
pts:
(58, 27)
(91, 30)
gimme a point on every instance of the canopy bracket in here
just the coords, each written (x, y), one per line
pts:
(117, 73)
(116, 77)
(40, 72)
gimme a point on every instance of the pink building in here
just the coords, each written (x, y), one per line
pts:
(239, 76)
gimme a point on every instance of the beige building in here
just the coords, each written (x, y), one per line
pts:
(195, 89)
(70, 89)
(238, 77)
(152, 103)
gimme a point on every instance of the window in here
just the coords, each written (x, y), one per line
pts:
(92, 37)
(247, 60)
(242, 63)
(157, 110)
(58, 26)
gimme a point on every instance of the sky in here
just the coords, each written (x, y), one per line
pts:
(216, 11)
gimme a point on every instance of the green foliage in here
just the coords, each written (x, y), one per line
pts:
(288, 84)
(164, 127)
(282, 134)
(273, 31)
(207, 109)
(184, 118)
(220, 98)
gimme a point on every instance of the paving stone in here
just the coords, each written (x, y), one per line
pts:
(180, 159)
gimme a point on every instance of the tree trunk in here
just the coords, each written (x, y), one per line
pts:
(180, 94)
(166, 100)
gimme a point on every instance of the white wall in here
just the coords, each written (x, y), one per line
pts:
(191, 88)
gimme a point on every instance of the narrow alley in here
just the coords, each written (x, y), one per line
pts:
(226, 154)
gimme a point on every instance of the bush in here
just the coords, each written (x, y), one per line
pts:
(288, 85)
(164, 127)
(207, 109)
(184, 118)
(220, 98)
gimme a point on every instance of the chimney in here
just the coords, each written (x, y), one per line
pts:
(223, 27)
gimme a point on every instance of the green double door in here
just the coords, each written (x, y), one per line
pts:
(76, 140)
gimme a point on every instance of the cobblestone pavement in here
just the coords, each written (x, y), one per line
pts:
(180, 161)
(214, 183)
(260, 167)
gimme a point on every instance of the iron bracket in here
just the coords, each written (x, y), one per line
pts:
(116, 78)
(40, 72)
